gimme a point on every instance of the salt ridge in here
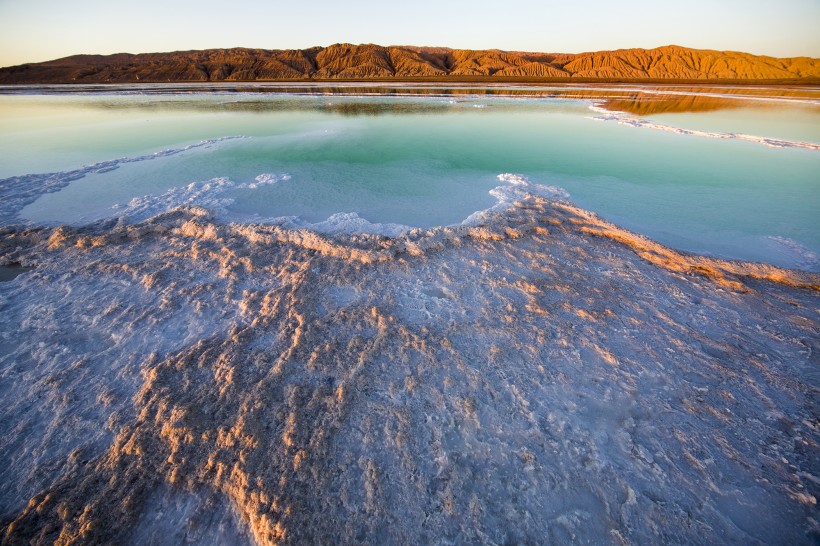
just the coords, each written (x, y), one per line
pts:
(632, 121)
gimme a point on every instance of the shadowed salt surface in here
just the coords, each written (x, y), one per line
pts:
(535, 375)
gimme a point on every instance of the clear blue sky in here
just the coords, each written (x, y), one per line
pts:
(38, 30)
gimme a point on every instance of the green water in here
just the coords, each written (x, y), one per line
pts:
(786, 121)
(426, 161)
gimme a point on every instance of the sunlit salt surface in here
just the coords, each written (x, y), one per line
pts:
(246, 317)
(422, 160)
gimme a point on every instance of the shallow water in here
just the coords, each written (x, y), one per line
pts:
(784, 121)
(422, 161)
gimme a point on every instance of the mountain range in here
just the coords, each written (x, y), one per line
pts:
(374, 62)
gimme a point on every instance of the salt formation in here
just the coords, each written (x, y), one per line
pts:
(633, 121)
(536, 375)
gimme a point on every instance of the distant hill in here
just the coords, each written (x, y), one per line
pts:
(368, 61)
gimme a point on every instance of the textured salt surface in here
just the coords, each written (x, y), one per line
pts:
(534, 375)
(11, 271)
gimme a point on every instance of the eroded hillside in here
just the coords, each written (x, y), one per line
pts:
(368, 61)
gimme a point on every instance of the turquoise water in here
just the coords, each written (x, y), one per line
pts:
(787, 121)
(426, 161)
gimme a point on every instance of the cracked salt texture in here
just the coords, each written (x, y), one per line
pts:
(534, 375)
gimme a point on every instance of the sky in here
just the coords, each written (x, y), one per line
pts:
(40, 30)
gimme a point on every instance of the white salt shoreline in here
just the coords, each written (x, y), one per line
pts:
(624, 118)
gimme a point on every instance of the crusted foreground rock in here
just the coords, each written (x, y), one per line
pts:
(542, 376)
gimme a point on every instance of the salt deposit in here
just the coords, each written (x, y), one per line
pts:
(538, 375)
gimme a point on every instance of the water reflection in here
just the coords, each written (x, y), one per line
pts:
(644, 105)
(636, 99)
(345, 106)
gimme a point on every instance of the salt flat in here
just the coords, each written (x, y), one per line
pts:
(177, 368)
